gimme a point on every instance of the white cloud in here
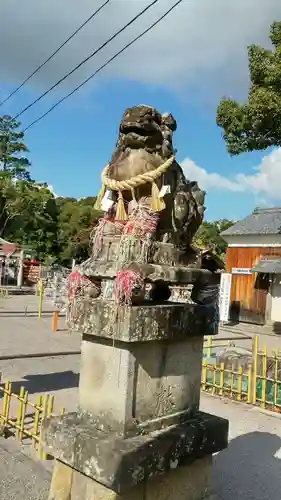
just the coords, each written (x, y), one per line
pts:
(264, 182)
(50, 187)
(202, 44)
(209, 181)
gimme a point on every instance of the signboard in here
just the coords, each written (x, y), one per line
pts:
(224, 298)
(242, 270)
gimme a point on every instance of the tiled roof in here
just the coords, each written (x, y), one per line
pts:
(261, 221)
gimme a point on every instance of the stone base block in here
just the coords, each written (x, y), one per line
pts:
(104, 319)
(189, 482)
(122, 464)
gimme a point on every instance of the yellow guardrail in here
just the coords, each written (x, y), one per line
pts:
(24, 420)
(259, 384)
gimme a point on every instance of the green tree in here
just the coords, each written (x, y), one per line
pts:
(28, 215)
(256, 125)
(76, 221)
(208, 236)
(11, 146)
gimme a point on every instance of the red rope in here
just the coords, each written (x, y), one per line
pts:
(126, 281)
(77, 284)
(141, 222)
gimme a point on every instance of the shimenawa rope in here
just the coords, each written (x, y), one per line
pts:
(137, 180)
(157, 204)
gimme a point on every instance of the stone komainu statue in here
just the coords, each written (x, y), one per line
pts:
(142, 165)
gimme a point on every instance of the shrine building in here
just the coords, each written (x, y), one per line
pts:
(253, 257)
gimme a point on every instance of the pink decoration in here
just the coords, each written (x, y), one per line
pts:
(126, 281)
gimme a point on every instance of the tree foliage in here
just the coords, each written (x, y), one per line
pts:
(256, 125)
(11, 146)
(76, 221)
(208, 236)
(28, 215)
(49, 227)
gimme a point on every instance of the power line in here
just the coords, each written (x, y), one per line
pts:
(86, 59)
(54, 53)
(105, 64)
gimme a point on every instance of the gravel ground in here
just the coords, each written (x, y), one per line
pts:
(21, 478)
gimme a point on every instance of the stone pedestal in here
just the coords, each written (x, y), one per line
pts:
(138, 432)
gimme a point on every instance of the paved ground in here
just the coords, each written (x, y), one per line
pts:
(21, 478)
(250, 469)
(239, 335)
(23, 332)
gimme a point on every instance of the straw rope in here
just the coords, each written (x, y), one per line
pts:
(137, 180)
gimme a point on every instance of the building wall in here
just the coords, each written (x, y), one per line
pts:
(247, 303)
(250, 241)
(275, 293)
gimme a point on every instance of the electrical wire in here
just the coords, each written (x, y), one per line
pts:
(86, 59)
(54, 53)
(104, 65)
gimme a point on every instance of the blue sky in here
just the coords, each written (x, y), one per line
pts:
(69, 148)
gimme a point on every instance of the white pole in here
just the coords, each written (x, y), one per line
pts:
(20, 270)
(73, 264)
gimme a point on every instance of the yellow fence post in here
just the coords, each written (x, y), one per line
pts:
(214, 379)
(24, 405)
(250, 385)
(264, 378)
(221, 379)
(255, 354)
(20, 423)
(36, 430)
(7, 402)
(232, 380)
(204, 374)
(240, 384)
(20, 412)
(42, 454)
(276, 382)
(41, 297)
(2, 424)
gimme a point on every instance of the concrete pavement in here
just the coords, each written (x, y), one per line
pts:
(22, 332)
(21, 478)
(235, 332)
(250, 469)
